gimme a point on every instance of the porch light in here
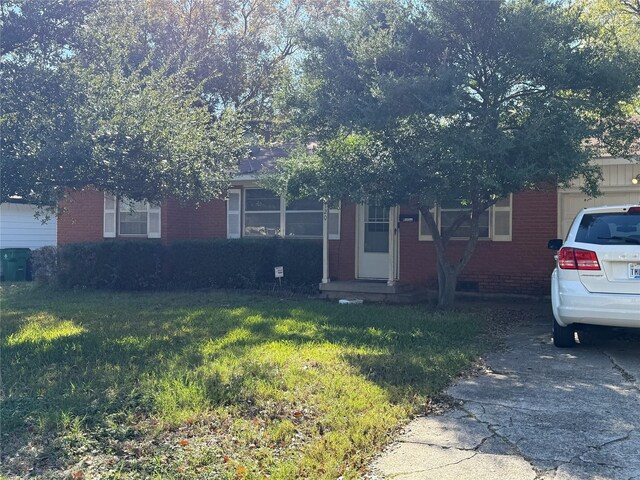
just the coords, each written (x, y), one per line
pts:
(635, 180)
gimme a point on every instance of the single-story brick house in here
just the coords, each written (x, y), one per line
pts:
(366, 248)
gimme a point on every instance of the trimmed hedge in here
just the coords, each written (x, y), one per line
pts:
(143, 265)
(44, 264)
(117, 265)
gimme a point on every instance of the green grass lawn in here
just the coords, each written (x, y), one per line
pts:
(214, 384)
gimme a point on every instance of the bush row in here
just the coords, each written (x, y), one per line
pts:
(145, 265)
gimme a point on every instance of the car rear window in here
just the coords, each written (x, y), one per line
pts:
(609, 229)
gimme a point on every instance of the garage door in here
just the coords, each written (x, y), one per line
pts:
(572, 203)
(20, 229)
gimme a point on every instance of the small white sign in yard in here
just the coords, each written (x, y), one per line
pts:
(279, 272)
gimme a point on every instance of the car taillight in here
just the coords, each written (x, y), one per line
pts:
(577, 259)
(634, 211)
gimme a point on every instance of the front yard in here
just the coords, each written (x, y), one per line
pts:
(214, 384)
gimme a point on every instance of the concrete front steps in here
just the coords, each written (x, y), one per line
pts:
(374, 291)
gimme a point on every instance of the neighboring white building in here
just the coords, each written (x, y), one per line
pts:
(20, 229)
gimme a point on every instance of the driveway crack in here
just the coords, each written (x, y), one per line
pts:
(620, 369)
(457, 462)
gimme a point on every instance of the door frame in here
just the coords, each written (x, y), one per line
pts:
(394, 247)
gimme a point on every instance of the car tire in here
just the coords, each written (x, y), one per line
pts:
(563, 337)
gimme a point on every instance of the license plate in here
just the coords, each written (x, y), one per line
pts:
(634, 271)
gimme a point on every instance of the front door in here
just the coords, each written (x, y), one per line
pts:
(373, 242)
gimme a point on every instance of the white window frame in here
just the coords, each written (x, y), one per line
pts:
(123, 207)
(501, 208)
(114, 206)
(283, 221)
(492, 236)
(283, 218)
(110, 216)
(280, 211)
(336, 212)
(238, 192)
(421, 236)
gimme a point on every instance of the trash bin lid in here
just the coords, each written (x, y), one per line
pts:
(15, 253)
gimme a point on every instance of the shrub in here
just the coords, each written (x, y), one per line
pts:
(44, 265)
(118, 265)
(142, 265)
(245, 263)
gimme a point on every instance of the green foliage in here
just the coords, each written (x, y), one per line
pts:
(131, 265)
(146, 98)
(471, 100)
(616, 24)
(135, 133)
(245, 263)
(458, 101)
(144, 265)
(197, 385)
(237, 51)
(41, 27)
(44, 264)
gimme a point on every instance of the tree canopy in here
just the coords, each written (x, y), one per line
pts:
(145, 98)
(457, 101)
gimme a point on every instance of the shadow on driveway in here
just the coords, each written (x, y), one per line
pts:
(536, 412)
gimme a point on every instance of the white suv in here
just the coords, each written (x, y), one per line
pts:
(597, 277)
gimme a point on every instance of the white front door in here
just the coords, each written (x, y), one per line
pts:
(373, 242)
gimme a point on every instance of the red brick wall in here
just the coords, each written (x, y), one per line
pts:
(81, 220)
(183, 221)
(342, 253)
(522, 266)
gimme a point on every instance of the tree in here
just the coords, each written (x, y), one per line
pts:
(616, 25)
(73, 116)
(236, 50)
(145, 98)
(456, 101)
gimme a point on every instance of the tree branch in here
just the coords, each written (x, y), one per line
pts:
(632, 7)
(524, 93)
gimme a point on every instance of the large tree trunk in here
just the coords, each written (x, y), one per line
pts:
(447, 280)
(448, 271)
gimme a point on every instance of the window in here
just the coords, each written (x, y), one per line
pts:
(127, 218)
(261, 213)
(376, 229)
(448, 214)
(132, 218)
(494, 223)
(303, 219)
(234, 229)
(609, 229)
(265, 214)
(333, 221)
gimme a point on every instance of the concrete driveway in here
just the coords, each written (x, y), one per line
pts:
(538, 412)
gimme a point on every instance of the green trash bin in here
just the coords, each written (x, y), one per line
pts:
(14, 263)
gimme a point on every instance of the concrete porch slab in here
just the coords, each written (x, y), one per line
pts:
(374, 291)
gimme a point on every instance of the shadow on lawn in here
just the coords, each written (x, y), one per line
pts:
(103, 366)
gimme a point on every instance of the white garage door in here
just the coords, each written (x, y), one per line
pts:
(20, 229)
(572, 203)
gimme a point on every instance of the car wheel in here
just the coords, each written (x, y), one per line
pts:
(563, 337)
